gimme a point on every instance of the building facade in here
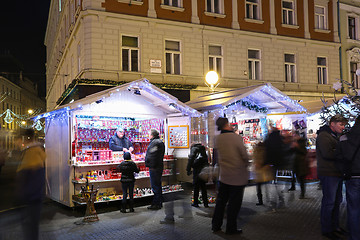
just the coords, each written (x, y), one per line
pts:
(18, 95)
(349, 15)
(293, 44)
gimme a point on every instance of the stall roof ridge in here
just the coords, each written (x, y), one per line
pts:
(264, 95)
(140, 84)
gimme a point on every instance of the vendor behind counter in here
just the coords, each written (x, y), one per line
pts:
(119, 142)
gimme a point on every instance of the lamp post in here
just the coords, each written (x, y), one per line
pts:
(212, 80)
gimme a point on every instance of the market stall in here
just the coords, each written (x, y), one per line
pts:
(77, 140)
(249, 109)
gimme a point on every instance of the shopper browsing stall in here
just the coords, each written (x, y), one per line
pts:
(154, 161)
(119, 142)
(127, 169)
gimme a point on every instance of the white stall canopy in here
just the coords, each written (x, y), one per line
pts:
(138, 98)
(262, 96)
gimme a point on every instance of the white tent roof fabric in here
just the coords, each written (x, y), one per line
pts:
(263, 95)
(141, 90)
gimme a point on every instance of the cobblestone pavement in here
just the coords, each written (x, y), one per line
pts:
(298, 220)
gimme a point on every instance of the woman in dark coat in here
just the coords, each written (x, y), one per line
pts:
(197, 161)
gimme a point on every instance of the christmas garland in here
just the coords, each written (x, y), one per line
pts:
(104, 82)
(249, 105)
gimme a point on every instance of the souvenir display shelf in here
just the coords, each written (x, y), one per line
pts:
(95, 163)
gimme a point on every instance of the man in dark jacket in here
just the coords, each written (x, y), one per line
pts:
(127, 169)
(348, 162)
(330, 177)
(154, 161)
(197, 161)
(119, 142)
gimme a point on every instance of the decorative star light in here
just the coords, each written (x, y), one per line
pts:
(337, 86)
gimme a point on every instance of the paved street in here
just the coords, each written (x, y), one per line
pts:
(299, 220)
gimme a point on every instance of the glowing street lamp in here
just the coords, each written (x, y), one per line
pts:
(212, 80)
(30, 111)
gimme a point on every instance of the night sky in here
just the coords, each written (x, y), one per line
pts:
(23, 25)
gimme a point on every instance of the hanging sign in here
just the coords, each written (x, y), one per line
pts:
(178, 136)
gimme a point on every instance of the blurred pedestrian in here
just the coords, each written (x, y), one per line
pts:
(127, 169)
(330, 177)
(263, 172)
(233, 161)
(348, 161)
(274, 148)
(197, 161)
(154, 161)
(31, 184)
(3, 153)
(301, 166)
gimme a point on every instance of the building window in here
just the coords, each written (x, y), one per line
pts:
(354, 78)
(321, 70)
(172, 55)
(214, 6)
(254, 64)
(320, 17)
(215, 59)
(253, 9)
(174, 3)
(290, 68)
(130, 54)
(288, 12)
(352, 27)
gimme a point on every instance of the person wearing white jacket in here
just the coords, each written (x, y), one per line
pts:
(233, 162)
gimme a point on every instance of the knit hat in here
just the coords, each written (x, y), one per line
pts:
(221, 122)
(127, 156)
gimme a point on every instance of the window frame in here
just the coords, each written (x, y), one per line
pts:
(130, 49)
(179, 5)
(172, 59)
(212, 3)
(252, 72)
(259, 11)
(322, 80)
(293, 10)
(356, 27)
(317, 15)
(214, 60)
(287, 71)
(356, 83)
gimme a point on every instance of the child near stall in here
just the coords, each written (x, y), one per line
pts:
(127, 169)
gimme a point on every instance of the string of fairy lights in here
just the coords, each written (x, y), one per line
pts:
(21, 120)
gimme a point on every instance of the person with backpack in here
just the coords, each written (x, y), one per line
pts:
(197, 161)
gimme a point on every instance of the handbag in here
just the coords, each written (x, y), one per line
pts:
(209, 173)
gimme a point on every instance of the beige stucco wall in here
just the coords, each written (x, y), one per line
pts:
(98, 34)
